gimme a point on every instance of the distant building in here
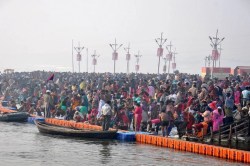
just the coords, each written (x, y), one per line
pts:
(242, 70)
(8, 71)
(218, 72)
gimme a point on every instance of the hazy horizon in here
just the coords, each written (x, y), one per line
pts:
(37, 34)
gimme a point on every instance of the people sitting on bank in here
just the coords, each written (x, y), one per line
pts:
(200, 129)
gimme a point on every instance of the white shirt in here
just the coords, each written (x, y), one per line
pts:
(101, 103)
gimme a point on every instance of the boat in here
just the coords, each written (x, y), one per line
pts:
(46, 128)
(14, 117)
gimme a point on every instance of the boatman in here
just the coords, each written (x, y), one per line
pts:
(47, 103)
(106, 116)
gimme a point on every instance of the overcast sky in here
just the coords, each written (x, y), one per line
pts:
(37, 34)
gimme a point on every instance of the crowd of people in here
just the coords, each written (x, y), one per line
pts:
(139, 102)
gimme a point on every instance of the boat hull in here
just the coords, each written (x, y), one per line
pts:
(14, 117)
(56, 130)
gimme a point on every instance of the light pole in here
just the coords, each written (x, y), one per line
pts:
(174, 63)
(94, 61)
(169, 55)
(79, 56)
(115, 53)
(205, 61)
(127, 56)
(87, 52)
(165, 64)
(160, 42)
(220, 54)
(137, 67)
(215, 41)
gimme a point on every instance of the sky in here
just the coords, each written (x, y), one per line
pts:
(38, 34)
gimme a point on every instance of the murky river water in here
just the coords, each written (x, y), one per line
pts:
(21, 144)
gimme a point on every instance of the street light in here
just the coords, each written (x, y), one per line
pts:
(215, 41)
(160, 42)
(115, 53)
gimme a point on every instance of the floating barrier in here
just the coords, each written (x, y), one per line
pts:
(126, 136)
(210, 150)
(33, 118)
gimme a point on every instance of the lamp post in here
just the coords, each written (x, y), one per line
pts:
(94, 60)
(79, 56)
(174, 63)
(215, 41)
(165, 64)
(160, 42)
(169, 55)
(115, 53)
(137, 67)
(128, 56)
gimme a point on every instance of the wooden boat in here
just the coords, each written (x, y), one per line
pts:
(73, 132)
(14, 117)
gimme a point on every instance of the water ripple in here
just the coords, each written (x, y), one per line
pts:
(21, 144)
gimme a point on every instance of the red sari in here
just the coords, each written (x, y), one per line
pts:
(138, 117)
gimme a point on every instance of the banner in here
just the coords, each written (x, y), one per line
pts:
(164, 68)
(115, 56)
(94, 62)
(79, 57)
(159, 51)
(128, 57)
(173, 65)
(169, 57)
(137, 68)
(215, 55)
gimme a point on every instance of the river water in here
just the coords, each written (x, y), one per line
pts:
(21, 144)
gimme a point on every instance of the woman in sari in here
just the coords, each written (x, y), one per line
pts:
(137, 116)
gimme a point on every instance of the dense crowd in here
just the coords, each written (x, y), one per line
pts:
(140, 102)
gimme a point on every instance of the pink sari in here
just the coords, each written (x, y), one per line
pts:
(237, 97)
(217, 120)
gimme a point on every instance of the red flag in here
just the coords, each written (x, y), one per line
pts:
(51, 77)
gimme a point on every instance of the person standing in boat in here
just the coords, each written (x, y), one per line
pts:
(106, 116)
(47, 102)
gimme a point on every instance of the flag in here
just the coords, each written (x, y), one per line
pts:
(51, 77)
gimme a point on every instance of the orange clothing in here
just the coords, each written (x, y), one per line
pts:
(204, 126)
